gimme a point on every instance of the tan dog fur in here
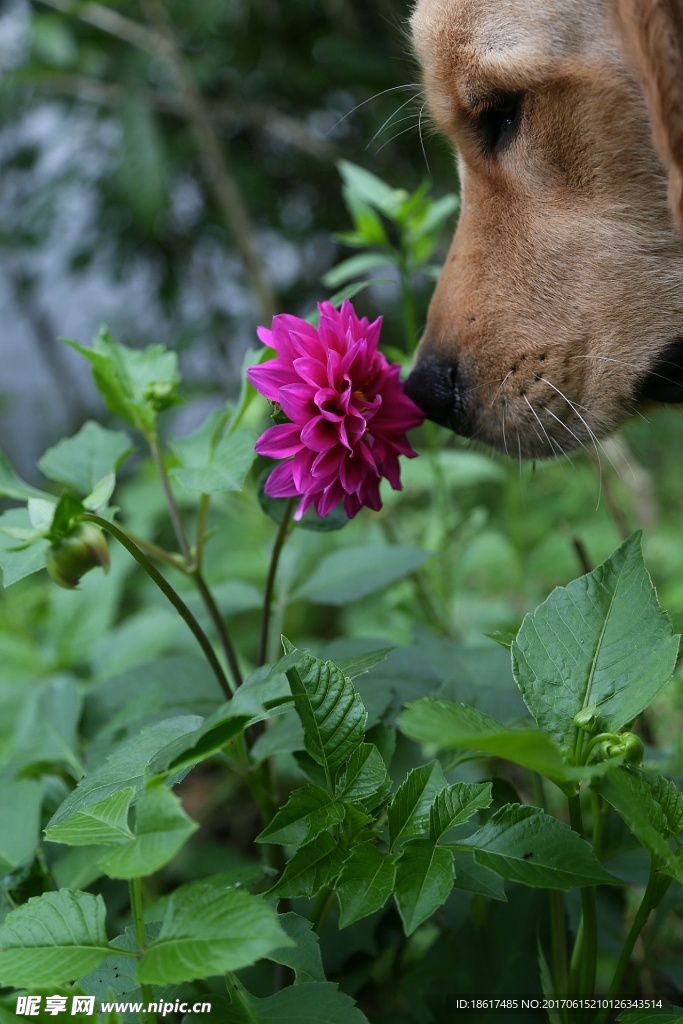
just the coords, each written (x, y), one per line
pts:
(564, 282)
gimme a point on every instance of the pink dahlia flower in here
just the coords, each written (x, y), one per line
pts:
(347, 410)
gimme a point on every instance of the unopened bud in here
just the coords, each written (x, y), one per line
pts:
(72, 556)
(587, 719)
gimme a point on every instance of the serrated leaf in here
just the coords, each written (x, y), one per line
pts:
(330, 710)
(82, 461)
(408, 814)
(524, 844)
(365, 779)
(18, 559)
(424, 880)
(365, 884)
(652, 807)
(602, 641)
(208, 930)
(46, 731)
(54, 937)
(105, 821)
(210, 462)
(20, 803)
(308, 812)
(315, 1003)
(473, 877)
(444, 725)
(354, 572)
(126, 766)
(161, 829)
(304, 955)
(214, 734)
(456, 804)
(135, 383)
(311, 868)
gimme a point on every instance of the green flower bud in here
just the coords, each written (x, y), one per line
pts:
(161, 395)
(72, 556)
(633, 748)
(587, 719)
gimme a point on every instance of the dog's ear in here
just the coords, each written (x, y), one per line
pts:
(652, 31)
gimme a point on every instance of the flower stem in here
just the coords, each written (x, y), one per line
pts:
(173, 509)
(651, 897)
(584, 970)
(135, 890)
(559, 942)
(168, 591)
(193, 563)
(279, 544)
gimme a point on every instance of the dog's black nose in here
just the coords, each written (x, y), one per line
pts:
(434, 386)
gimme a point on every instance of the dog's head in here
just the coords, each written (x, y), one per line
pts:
(560, 307)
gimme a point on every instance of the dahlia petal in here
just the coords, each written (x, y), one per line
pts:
(280, 441)
(280, 483)
(311, 370)
(329, 499)
(320, 434)
(296, 402)
(265, 335)
(269, 378)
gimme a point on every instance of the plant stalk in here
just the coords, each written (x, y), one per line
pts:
(281, 537)
(651, 897)
(168, 591)
(584, 969)
(135, 890)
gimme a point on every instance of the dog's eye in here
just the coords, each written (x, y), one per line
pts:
(498, 121)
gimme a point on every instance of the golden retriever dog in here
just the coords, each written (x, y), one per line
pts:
(559, 310)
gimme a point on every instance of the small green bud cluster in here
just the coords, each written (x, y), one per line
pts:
(71, 556)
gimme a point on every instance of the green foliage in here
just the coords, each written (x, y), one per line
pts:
(362, 816)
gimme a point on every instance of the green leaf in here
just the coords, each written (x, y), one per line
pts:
(211, 461)
(367, 187)
(47, 730)
(366, 882)
(473, 877)
(667, 1015)
(82, 461)
(456, 804)
(208, 930)
(443, 725)
(136, 384)
(126, 766)
(12, 486)
(602, 641)
(311, 868)
(213, 736)
(354, 572)
(354, 267)
(161, 829)
(308, 812)
(318, 1003)
(19, 559)
(55, 938)
(20, 803)
(409, 811)
(423, 882)
(103, 822)
(652, 807)
(304, 956)
(527, 845)
(330, 710)
(365, 779)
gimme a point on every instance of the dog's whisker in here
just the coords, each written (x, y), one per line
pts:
(422, 141)
(591, 434)
(539, 421)
(376, 96)
(502, 385)
(390, 119)
(393, 138)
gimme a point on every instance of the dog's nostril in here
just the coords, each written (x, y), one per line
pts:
(434, 386)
